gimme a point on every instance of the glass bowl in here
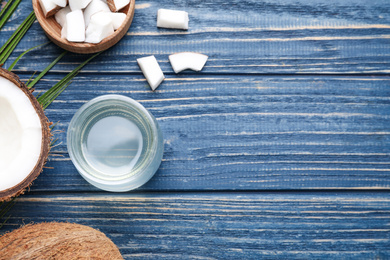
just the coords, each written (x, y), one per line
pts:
(115, 143)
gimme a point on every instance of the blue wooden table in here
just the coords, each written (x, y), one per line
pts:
(278, 149)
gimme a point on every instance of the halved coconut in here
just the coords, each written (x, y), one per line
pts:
(24, 136)
(57, 241)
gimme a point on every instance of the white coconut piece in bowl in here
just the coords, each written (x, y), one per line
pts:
(75, 26)
(60, 16)
(49, 8)
(94, 7)
(117, 5)
(61, 3)
(99, 27)
(117, 19)
(78, 4)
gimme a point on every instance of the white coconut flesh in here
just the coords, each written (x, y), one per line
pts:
(48, 7)
(78, 4)
(172, 19)
(94, 7)
(187, 60)
(116, 5)
(20, 135)
(60, 16)
(61, 3)
(151, 70)
(75, 26)
(100, 27)
(76, 19)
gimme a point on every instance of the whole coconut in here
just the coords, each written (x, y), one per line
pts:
(57, 241)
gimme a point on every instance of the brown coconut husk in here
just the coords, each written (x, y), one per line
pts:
(19, 189)
(57, 241)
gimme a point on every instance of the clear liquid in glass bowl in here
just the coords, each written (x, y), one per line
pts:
(115, 143)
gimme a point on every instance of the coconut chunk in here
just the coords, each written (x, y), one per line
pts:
(60, 16)
(61, 3)
(20, 135)
(151, 71)
(117, 19)
(78, 4)
(99, 27)
(187, 60)
(64, 31)
(116, 5)
(94, 7)
(172, 19)
(75, 31)
(49, 8)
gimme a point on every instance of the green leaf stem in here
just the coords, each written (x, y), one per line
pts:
(21, 55)
(43, 73)
(16, 37)
(8, 10)
(46, 99)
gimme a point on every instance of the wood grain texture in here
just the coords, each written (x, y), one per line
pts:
(255, 37)
(295, 96)
(244, 132)
(225, 226)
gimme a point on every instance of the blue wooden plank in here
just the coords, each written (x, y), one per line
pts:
(230, 128)
(238, 133)
(282, 37)
(225, 226)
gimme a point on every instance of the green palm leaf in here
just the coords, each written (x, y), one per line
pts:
(47, 98)
(7, 11)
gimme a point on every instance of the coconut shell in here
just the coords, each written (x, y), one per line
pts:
(57, 241)
(46, 138)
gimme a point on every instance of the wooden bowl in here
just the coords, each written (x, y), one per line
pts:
(53, 31)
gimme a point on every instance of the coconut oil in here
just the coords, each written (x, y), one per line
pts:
(115, 143)
(112, 145)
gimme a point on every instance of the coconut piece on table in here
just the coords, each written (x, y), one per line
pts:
(60, 16)
(61, 3)
(49, 8)
(94, 7)
(187, 60)
(78, 4)
(151, 71)
(116, 5)
(99, 27)
(75, 31)
(172, 19)
(117, 19)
